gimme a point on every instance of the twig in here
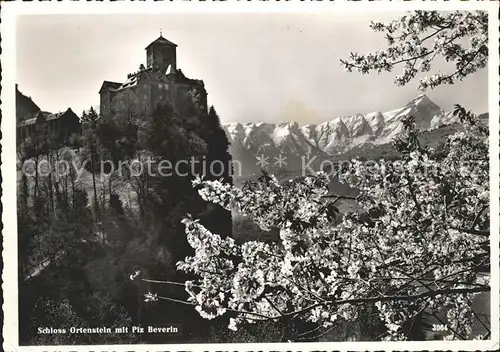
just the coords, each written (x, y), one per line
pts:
(476, 219)
(227, 309)
(273, 305)
(337, 197)
(392, 298)
(166, 282)
(473, 232)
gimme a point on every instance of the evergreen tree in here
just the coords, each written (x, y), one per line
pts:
(90, 126)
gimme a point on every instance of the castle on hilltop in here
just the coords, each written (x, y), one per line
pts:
(159, 83)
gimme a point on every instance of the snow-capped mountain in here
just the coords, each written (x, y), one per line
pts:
(249, 141)
(422, 108)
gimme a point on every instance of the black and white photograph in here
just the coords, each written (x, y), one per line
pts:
(256, 177)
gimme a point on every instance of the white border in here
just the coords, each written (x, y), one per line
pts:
(10, 10)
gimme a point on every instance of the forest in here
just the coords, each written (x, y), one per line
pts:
(79, 242)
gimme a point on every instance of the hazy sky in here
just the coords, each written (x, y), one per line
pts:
(256, 67)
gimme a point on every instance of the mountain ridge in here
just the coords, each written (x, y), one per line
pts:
(249, 140)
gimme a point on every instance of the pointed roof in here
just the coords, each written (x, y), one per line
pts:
(161, 41)
(109, 85)
(43, 116)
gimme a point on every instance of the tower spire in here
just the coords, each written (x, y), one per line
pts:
(161, 53)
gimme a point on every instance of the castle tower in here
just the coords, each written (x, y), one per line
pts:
(160, 83)
(161, 54)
